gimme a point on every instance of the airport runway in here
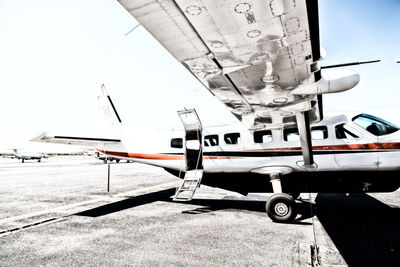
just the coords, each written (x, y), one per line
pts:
(58, 212)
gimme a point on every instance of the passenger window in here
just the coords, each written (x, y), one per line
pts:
(177, 142)
(232, 138)
(319, 132)
(211, 140)
(344, 131)
(262, 136)
(291, 134)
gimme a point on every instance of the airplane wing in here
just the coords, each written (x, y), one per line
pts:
(250, 54)
(73, 140)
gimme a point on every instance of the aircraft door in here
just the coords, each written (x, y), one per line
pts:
(351, 149)
(389, 152)
(193, 138)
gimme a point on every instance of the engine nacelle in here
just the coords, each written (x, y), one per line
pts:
(332, 81)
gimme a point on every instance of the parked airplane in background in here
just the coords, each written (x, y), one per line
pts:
(262, 60)
(27, 156)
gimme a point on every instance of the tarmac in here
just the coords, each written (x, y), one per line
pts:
(58, 213)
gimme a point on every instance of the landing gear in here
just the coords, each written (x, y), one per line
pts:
(280, 207)
(295, 195)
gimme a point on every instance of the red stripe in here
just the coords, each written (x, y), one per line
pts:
(370, 146)
(142, 156)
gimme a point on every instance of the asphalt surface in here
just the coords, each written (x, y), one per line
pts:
(58, 212)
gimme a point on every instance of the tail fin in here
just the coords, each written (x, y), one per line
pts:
(107, 106)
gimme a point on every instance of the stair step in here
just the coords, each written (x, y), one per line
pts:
(189, 185)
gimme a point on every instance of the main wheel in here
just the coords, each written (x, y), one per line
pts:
(281, 208)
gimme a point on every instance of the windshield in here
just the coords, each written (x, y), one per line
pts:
(375, 125)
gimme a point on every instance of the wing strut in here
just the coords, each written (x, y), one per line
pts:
(303, 124)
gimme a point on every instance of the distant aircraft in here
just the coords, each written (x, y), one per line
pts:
(262, 60)
(27, 156)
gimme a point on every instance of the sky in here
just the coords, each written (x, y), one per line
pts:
(55, 54)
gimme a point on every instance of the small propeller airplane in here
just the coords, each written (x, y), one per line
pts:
(262, 60)
(27, 156)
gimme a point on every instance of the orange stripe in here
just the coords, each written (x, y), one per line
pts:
(142, 156)
(370, 146)
(216, 157)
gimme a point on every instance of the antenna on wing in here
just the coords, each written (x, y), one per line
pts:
(107, 106)
(134, 28)
(350, 64)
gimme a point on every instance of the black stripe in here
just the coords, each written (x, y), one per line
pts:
(279, 153)
(87, 139)
(276, 153)
(115, 111)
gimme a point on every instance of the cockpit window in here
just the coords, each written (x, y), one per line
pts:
(344, 131)
(375, 125)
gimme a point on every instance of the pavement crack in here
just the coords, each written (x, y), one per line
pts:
(38, 223)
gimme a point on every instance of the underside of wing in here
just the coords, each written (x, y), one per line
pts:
(74, 140)
(250, 54)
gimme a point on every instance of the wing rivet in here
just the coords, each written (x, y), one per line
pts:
(280, 100)
(287, 114)
(253, 33)
(193, 10)
(216, 44)
(242, 8)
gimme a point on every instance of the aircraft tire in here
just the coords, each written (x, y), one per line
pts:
(23, 160)
(117, 160)
(281, 208)
(38, 160)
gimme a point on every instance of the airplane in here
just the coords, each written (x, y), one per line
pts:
(27, 156)
(262, 59)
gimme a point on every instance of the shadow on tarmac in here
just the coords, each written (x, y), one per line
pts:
(364, 230)
(128, 203)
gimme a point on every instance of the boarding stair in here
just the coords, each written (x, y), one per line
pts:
(189, 185)
(193, 156)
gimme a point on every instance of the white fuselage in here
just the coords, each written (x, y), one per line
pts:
(280, 149)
